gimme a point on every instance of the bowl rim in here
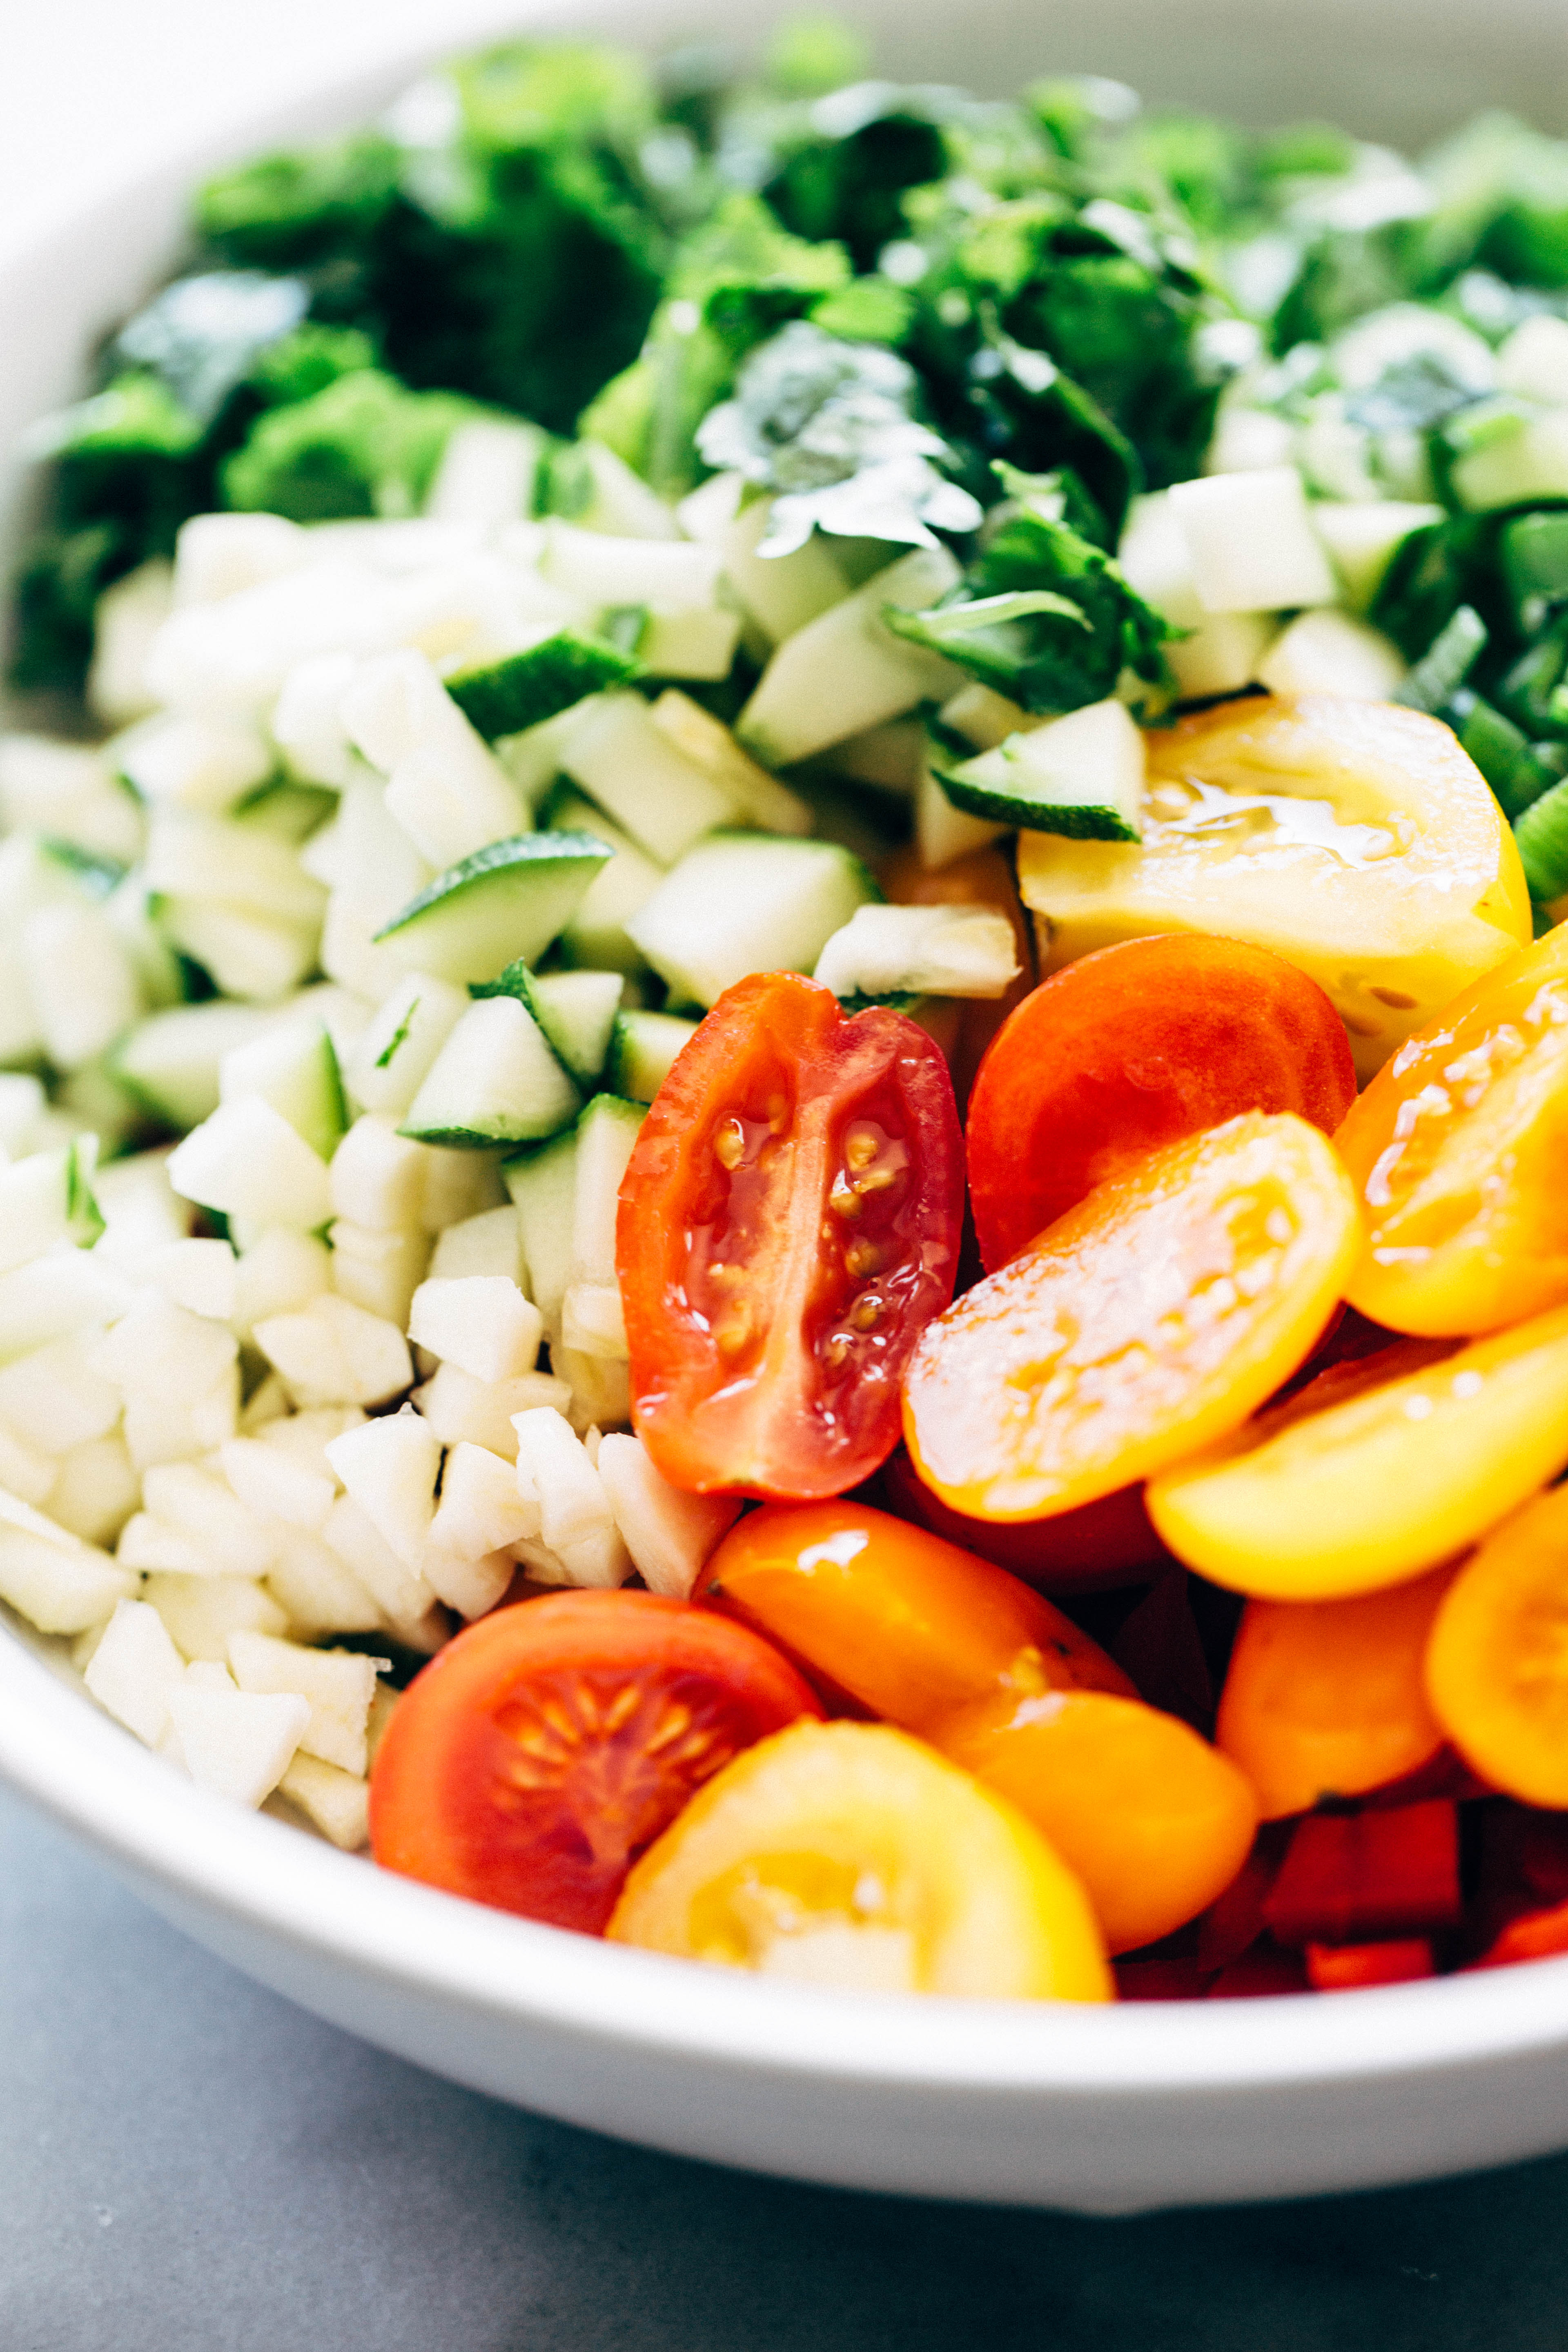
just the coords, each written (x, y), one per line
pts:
(59, 1750)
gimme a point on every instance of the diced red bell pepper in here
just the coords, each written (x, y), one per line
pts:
(1161, 1980)
(1264, 1969)
(1346, 1968)
(1357, 1879)
(1536, 1936)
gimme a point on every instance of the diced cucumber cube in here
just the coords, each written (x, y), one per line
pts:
(642, 1049)
(625, 763)
(1081, 775)
(596, 939)
(295, 1068)
(170, 1061)
(506, 902)
(846, 670)
(920, 951)
(494, 1081)
(542, 1185)
(740, 903)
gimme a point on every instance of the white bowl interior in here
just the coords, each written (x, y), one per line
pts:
(1104, 2110)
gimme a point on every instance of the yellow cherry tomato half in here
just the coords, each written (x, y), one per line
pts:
(1145, 1324)
(1382, 1487)
(1355, 839)
(1154, 1822)
(1326, 1698)
(860, 1858)
(1497, 1664)
(1458, 1150)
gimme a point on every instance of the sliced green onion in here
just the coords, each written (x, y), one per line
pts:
(1446, 661)
(1542, 834)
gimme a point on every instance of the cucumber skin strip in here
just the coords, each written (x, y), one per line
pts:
(522, 690)
(1076, 821)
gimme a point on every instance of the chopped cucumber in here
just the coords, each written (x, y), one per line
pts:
(943, 833)
(1362, 537)
(542, 1185)
(576, 1011)
(744, 902)
(287, 812)
(596, 939)
(401, 1041)
(1520, 467)
(920, 951)
(494, 1081)
(47, 1199)
(592, 1320)
(295, 1068)
(523, 689)
(629, 766)
(487, 472)
(170, 1062)
(1081, 775)
(506, 902)
(708, 743)
(846, 670)
(642, 1049)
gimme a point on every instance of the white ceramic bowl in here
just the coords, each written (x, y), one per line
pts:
(1104, 2110)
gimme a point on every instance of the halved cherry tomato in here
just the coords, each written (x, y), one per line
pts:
(1456, 1151)
(1315, 1506)
(906, 1623)
(1326, 1698)
(1355, 839)
(1146, 1323)
(542, 1750)
(848, 1853)
(1155, 1823)
(982, 879)
(1497, 1665)
(1132, 1048)
(1094, 1548)
(789, 1223)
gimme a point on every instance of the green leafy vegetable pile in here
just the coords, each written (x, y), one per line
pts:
(904, 311)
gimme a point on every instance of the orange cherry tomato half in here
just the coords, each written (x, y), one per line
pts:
(908, 1625)
(1145, 1324)
(1095, 1548)
(537, 1755)
(1325, 1698)
(1151, 1819)
(1134, 1046)
(789, 1223)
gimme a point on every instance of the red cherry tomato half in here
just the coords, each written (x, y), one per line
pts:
(1135, 1046)
(537, 1755)
(1101, 1545)
(789, 1224)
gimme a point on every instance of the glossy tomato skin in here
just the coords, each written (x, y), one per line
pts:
(789, 1223)
(537, 1755)
(1096, 1549)
(1134, 1046)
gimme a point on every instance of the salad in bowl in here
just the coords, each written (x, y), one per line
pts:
(784, 1033)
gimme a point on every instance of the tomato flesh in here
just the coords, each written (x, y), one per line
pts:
(544, 1749)
(1134, 1046)
(789, 1223)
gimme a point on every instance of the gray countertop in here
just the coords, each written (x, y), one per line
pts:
(188, 2164)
